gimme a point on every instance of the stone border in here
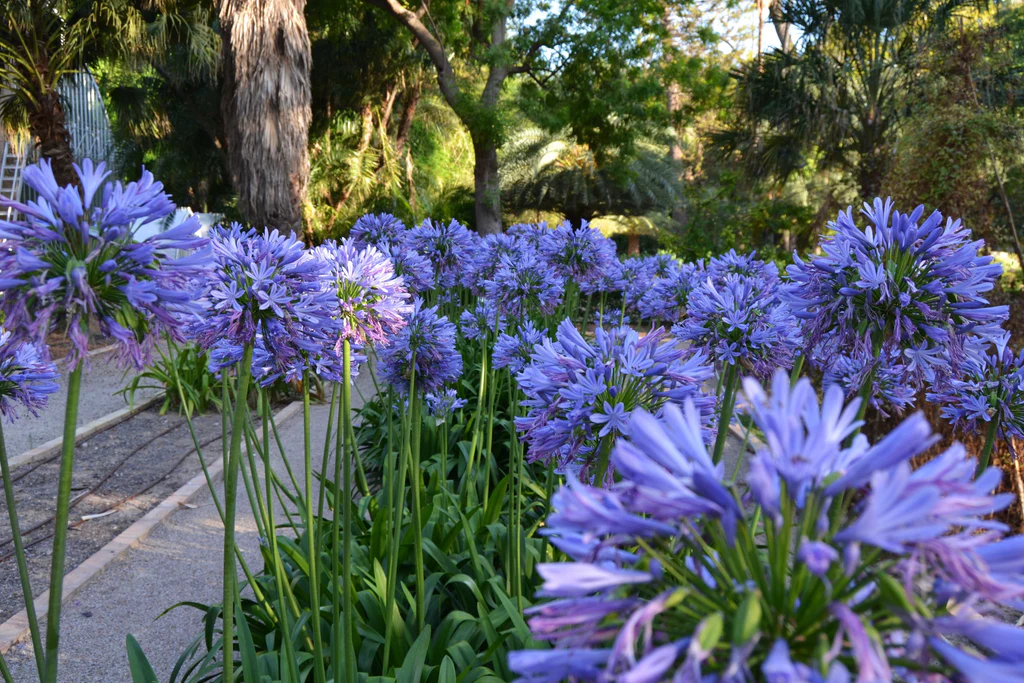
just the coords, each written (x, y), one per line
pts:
(16, 628)
(53, 446)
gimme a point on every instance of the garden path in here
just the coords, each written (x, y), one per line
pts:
(180, 560)
(100, 384)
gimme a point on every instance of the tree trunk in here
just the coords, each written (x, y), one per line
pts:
(48, 125)
(412, 101)
(633, 243)
(487, 191)
(266, 107)
(782, 28)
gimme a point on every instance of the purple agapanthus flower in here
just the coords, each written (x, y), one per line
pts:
(525, 285)
(72, 259)
(666, 300)
(416, 272)
(581, 394)
(741, 322)
(991, 388)
(513, 351)
(746, 265)
(529, 234)
(487, 259)
(372, 301)
(483, 321)
(633, 278)
(442, 404)
(427, 345)
(890, 393)
(446, 247)
(912, 289)
(577, 255)
(26, 377)
(267, 285)
(674, 575)
(379, 230)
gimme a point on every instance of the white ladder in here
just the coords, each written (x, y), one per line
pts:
(12, 163)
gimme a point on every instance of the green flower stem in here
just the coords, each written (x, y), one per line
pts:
(798, 366)
(231, 467)
(349, 454)
(417, 521)
(990, 442)
(5, 673)
(490, 433)
(396, 527)
(442, 479)
(478, 413)
(60, 529)
(279, 571)
(19, 552)
(322, 493)
(725, 416)
(312, 530)
(603, 460)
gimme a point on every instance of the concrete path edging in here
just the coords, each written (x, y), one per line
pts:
(16, 628)
(53, 446)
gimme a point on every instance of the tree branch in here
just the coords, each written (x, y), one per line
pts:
(412, 21)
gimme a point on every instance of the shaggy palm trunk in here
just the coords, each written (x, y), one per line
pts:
(266, 108)
(48, 124)
(487, 192)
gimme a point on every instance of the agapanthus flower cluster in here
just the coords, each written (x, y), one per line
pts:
(266, 287)
(525, 284)
(747, 265)
(73, 259)
(372, 301)
(446, 247)
(414, 269)
(633, 280)
(26, 377)
(529, 234)
(672, 578)
(889, 392)
(442, 404)
(513, 351)
(426, 346)
(581, 395)
(741, 322)
(989, 390)
(662, 265)
(481, 322)
(487, 258)
(666, 299)
(378, 230)
(578, 255)
(912, 288)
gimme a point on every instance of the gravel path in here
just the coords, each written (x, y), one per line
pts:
(100, 384)
(181, 560)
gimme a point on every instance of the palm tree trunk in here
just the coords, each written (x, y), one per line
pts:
(48, 125)
(266, 107)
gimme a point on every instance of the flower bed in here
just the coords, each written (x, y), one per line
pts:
(549, 500)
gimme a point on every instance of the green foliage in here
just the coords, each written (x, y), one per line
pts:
(181, 372)
(841, 95)
(554, 172)
(471, 622)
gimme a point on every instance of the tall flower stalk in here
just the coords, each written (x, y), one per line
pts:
(71, 260)
(26, 380)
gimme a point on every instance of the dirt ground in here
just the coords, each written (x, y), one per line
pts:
(124, 471)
